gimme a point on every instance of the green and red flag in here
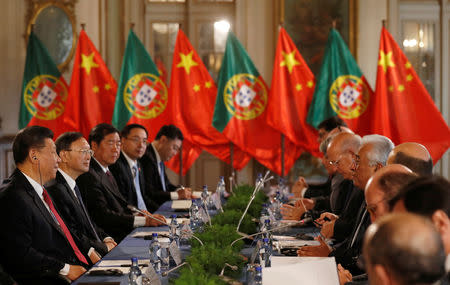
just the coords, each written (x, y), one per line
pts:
(341, 90)
(193, 93)
(142, 98)
(405, 112)
(240, 110)
(291, 95)
(92, 89)
(44, 90)
(161, 69)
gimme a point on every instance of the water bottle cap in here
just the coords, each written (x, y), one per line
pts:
(259, 174)
(174, 216)
(221, 177)
(154, 234)
(267, 221)
(205, 187)
(134, 259)
(278, 192)
(265, 240)
(264, 205)
(193, 201)
(258, 268)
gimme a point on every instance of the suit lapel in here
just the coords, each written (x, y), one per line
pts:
(104, 179)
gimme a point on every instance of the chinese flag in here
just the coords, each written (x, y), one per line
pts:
(240, 110)
(405, 111)
(92, 89)
(291, 94)
(193, 94)
(142, 98)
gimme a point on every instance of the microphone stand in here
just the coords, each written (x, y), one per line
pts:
(134, 209)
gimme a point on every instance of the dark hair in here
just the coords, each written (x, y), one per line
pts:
(392, 182)
(419, 166)
(99, 132)
(426, 195)
(171, 132)
(393, 247)
(331, 123)
(64, 141)
(127, 129)
(28, 138)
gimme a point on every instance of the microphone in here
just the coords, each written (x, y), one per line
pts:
(134, 209)
(301, 222)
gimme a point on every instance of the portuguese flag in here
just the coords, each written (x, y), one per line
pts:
(240, 108)
(142, 98)
(44, 90)
(341, 89)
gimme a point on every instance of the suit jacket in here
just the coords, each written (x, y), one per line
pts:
(69, 208)
(354, 198)
(33, 248)
(153, 185)
(106, 206)
(124, 178)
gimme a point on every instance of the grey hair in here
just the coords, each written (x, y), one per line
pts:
(382, 146)
(324, 145)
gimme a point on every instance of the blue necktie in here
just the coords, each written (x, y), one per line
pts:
(161, 173)
(77, 192)
(137, 186)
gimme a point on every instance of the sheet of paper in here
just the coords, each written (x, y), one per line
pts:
(143, 234)
(294, 243)
(179, 220)
(125, 270)
(119, 262)
(181, 204)
(301, 270)
(277, 237)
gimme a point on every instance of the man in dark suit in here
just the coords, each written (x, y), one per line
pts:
(127, 169)
(166, 144)
(75, 154)
(106, 205)
(36, 246)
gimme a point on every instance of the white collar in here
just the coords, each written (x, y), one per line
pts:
(69, 179)
(36, 186)
(105, 169)
(131, 162)
(447, 263)
(158, 158)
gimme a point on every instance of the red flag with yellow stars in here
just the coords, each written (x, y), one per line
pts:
(92, 89)
(193, 94)
(404, 111)
(291, 94)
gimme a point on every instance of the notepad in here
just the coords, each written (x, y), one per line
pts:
(181, 204)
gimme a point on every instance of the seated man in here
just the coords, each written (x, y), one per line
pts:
(75, 154)
(428, 197)
(414, 156)
(36, 246)
(127, 170)
(403, 249)
(106, 205)
(166, 144)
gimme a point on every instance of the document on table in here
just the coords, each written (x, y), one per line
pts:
(121, 262)
(301, 270)
(181, 204)
(144, 234)
(124, 270)
(294, 243)
(179, 220)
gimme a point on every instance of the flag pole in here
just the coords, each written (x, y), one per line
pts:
(232, 157)
(282, 154)
(180, 172)
(83, 26)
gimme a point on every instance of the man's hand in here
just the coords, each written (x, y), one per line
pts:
(149, 222)
(305, 202)
(184, 193)
(321, 250)
(326, 217)
(75, 271)
(94, 257)
(291, 213)
(110, 244)
(344, 275)
(328, 229)
(298, 187)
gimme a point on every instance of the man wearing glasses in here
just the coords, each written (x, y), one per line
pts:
(75, 154)
(106, 205)
(127, 169)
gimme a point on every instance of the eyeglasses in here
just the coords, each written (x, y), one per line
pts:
(371, 208)
(138, 140)
(113, 143)
(83, 151)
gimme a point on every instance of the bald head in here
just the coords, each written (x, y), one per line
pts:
(405, 248)
(413, 155)
(385, 184)
(342, 151)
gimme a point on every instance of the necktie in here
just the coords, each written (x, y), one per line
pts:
(80, 199)
(137, 186)
(161, 174)
(110, 176)
(63, 227)
(355, 235)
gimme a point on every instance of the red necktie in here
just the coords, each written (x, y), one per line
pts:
(63, 227)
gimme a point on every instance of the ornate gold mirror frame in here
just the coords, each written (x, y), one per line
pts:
(54, 24)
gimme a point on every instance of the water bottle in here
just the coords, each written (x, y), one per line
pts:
(221, 188)
(284, 190)
(266, 253)
(267, 227)
(135, 275)
(276, 206)
(174, 231)
(259, 180)
(194, 216)
(257, 280)
(155, 253)
(205, 198)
